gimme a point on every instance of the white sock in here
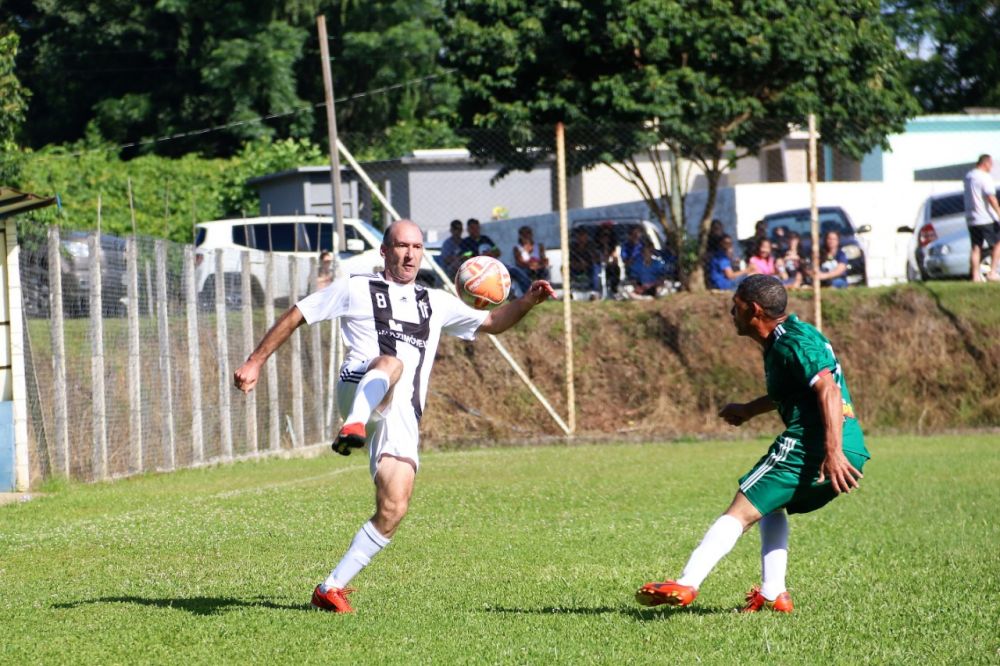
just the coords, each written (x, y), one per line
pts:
(773, 553)
(371, 389)
(717, 542)
(367, 544)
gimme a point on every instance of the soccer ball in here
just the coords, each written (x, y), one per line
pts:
(482, 282)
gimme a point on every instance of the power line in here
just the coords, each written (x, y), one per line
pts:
(258, 119)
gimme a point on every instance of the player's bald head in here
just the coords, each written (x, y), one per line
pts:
(766, 291)
(406, 227)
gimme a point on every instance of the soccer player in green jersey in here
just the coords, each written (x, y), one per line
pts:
(818, 456)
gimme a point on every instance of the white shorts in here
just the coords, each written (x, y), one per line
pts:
(394, 431)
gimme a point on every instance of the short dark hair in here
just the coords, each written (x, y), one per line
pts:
(455, 223)
(983, 159)
(766, 291)
(471, 220)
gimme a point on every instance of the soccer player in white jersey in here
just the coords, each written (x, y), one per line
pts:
(391, 327)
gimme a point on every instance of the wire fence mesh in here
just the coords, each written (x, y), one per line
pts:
(158, 362)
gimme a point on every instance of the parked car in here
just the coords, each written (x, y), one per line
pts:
(831, 218)
(939, 246)
(301, 236)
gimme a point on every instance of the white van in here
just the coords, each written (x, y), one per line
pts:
(302, 237)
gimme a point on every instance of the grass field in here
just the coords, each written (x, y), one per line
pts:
(525, 555)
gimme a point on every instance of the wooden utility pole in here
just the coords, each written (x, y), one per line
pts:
(567, 291)
(331, 130)
(814, 219)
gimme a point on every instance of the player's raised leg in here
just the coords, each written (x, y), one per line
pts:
(716, 544)
(373, 390)
(393, 488)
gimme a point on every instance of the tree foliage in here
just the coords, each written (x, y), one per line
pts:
(13, 106)
(137, 71)
(169, 194)
(954, 60)
(707, 81)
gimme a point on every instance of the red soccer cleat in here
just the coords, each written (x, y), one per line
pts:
(333, 600)
(351, 436)
(756, 601)
(668, 592)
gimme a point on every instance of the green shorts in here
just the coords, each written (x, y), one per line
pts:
(785, 477)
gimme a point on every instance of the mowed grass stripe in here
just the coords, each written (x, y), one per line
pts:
(526, 555)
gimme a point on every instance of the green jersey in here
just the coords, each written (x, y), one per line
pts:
(796, 356)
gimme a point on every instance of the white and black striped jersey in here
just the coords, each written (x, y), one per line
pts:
(380, 317)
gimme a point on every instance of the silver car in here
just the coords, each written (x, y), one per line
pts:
(939, 247)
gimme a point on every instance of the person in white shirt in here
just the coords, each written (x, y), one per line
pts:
(982, 214)
(391, 326)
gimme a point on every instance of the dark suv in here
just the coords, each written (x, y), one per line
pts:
(831, 218)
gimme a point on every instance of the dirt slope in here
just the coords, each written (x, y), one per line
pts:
(917, 358)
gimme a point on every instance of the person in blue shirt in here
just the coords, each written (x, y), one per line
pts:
(451, 250)
(631, 250)
(722, 270)
(832, 262)
(649, 272)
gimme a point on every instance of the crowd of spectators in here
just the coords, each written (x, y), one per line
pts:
(530, 262)
(609, 260)
(618, 261)
(778, 254)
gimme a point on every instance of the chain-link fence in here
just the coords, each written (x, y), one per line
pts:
(130, 366)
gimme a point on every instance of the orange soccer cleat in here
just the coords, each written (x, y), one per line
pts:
(668, 592)
(334, 600)
(756, 601)
(351, 436)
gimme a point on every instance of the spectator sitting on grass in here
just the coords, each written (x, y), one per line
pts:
(606, 256)
(530, 256)
(749, 245)
(790, 263)
(762, 261)
(832, 263)
(583, 271)
(723, 271)
(650, 273)
(631, 250)
(450, 257)
(477, 244)
(779, 240)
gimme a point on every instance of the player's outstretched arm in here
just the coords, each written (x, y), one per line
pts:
(739, 413)
(835, 466)
(245, 378)
(508, 314)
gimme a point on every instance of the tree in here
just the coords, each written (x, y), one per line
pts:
(709, 82)
(954, 62)
(136, 71)
(13, 104)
